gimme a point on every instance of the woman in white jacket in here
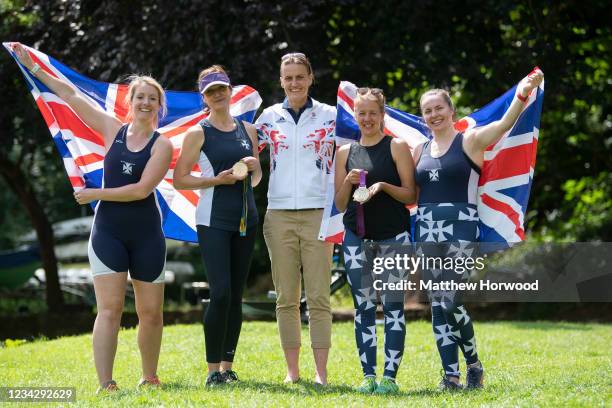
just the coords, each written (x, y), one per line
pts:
(299, 133)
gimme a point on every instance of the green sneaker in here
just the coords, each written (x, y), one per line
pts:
(368, 385)
(387, 386)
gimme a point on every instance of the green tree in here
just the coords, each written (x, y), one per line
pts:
(478, 49)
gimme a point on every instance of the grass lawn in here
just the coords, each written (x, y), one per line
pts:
(527, 364)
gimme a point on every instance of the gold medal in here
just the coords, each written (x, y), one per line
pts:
(361, 195)
(240, 169)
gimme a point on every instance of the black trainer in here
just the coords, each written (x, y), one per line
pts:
(229, 376)
(474, 377)
(448, 385)
(214, 379)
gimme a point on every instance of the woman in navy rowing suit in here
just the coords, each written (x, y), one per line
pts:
(127, 233)
(226, 151)
(447, 174)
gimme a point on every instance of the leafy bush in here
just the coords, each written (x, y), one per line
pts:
(585, 214)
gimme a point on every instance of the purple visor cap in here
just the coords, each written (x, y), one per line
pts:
(214, 78)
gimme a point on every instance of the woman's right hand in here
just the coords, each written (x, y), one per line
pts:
(227, 177)
(530, 82)
(22, 55)
(86, 195)
(353, 176)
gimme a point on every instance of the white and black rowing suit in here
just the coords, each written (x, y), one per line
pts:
(226, 251)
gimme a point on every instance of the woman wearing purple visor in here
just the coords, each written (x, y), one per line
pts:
(226, 151)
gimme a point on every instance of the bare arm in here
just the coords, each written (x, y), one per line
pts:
(416, 156)
(252, 162)
(93, 115)
(343, 182)
(477, 140)
(406, 193)
(154, 172)
(416, 153)
(190, 152)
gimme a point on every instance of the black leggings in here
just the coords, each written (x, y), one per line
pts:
(227, 257)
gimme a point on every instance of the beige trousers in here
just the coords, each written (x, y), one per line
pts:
(291, 237)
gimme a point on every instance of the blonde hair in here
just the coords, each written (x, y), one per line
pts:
(136, 80)
(435, 92)
(374, 95)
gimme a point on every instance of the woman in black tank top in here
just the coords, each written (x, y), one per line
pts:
(446, 172)
(146, 102)
(380, 169)
(229, 160)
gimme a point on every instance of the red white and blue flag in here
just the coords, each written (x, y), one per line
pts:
(507, 171)
(82, 149)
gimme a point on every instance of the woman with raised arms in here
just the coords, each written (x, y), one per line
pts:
(447, 174)
(127, 233)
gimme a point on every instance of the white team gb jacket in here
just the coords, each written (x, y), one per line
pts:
(300, 155)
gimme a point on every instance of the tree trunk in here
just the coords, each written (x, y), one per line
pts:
(21, 186)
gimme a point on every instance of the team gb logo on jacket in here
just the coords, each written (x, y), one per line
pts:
(321, 141)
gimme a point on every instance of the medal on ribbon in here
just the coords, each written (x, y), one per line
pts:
(361, 195)
(240, 169)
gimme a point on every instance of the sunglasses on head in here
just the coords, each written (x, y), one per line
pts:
(373, 91)
(293, 55)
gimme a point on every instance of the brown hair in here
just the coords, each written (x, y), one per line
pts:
(206, 71)
(210, 70)
(136, 80)
(297, 58)
(372, 94)
(438, 91)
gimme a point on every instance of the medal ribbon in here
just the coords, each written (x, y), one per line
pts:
(360, 214)
(245, 207)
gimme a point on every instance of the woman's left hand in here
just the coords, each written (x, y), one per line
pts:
(251, 163)
(86, 195)
(530, 82)
(374, 189)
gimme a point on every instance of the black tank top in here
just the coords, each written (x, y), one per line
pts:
(122, 167)
(450, 178)
(384, 216)
(221, 150)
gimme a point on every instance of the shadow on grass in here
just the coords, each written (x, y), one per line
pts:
(310, 388)
(300, 388)
(424, 392)
(172, 386)
(131, 392)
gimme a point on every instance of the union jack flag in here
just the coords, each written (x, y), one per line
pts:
(83, 151)
(507, 171)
